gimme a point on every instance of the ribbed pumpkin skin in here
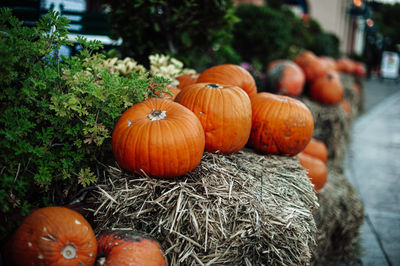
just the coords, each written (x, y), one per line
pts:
(281, 125)
(317, 170)
(328, 89)
(318, 149)
(229, 74)
(120, 248)
(46, 232)
(165, 148)
(224, 112)
(285, 77)
(186, 80)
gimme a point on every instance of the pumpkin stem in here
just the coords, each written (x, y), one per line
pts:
(101, 261)
(214, 85)
(157, 115)
(69, 252)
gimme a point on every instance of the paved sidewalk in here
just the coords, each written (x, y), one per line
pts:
(372, 165)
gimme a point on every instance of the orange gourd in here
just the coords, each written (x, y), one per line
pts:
(328, 89)
(53, 236)
(316, 148)
(158, 137)
(346, 107)
(281, 125)
(312, 66)
(224, 111)
(125, 248)
(229, 74)
(317, 170)
(285, 77)
(186, 80)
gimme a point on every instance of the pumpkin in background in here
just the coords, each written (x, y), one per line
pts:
(328, 89)
(345, 64)
(317, 148)
(224, 111)
(186, 80)
(317, 170)
(124, 248)
(228, 74)
(171, 94)
(53, 236)
(346, 107)
(359, 69)
(285, 77)
(281, 125)
(312, 66)
(329, 62)
(357, 87)
(158, 137)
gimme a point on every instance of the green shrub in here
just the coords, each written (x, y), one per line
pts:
(196, 32)
(57, 113)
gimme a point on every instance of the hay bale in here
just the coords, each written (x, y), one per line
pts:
(240, 209)
(338, 220)
(331, 126)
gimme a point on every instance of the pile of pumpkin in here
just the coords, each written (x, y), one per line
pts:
(217, 111)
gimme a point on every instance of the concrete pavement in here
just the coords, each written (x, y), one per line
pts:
(372, 165)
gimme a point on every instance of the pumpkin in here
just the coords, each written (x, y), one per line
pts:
(285, 77)
(359, 69)
(53, 236)
(228, 74)
(346, 107)
(357, 87)
(346, 65)
(281, 124)
(316, 148)
(224, 111)
(329, 62)
(328, 89)
(125, 248)
(171, 93)
(158, 137)
(317, 170)
(312, 66)
(186, 80)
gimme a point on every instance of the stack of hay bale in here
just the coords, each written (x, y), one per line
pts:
(340, 214)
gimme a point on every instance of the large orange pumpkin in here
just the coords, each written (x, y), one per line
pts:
(224, 112)
(317, 148)
(53, 236)
(186, 80)
(317, 170)
(285, 77)
(312, 66)
(328, 89)
(125, 248)
(281, 125)
(159, 137)
(228, 74)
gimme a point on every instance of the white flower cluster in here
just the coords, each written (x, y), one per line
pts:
(167, 67)
(124, 67)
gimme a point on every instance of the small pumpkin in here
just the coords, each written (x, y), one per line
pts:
(171, 92)
(359, 69)
(285, 77)
(281, 124)
(53, 236)
(312, 66)
(124, 248)
(328, 89)
(329, 62)
(357, 88)
(346, 107)
(317, 148)
(158, 137)
(186, 80)
(229, 74)
(317, 170)
(345, 64)
(224, 111)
